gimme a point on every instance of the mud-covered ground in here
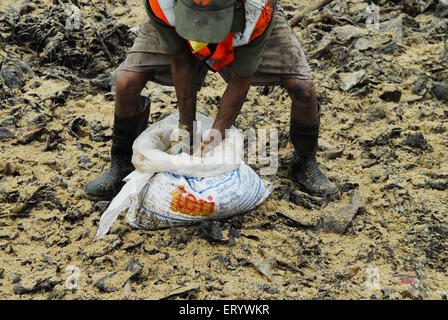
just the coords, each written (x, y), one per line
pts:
(383, 142)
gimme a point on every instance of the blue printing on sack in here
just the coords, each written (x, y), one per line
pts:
(146, 192)
(211, 187)
(251, 201)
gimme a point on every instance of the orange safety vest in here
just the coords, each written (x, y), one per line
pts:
(258, 16)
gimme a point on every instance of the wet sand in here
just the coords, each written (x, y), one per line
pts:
(393, 154)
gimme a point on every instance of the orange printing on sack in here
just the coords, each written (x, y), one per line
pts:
(186, 203)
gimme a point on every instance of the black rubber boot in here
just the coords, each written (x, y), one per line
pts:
(304, 165)
(125, 131)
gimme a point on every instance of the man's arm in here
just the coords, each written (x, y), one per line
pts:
(247, 60)
(231, 103)
(184, 76)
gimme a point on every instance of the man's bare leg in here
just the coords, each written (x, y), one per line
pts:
(128, 87)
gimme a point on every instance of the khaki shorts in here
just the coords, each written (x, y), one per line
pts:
(283, 57)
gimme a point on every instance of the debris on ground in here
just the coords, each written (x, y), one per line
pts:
(383, 142)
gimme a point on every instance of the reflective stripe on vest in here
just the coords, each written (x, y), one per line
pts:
(164, 10)
(258, 16)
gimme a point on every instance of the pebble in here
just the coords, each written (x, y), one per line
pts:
(348, 31)
(14, 72)
(337, 220)
(350, 79)
(415, 140)
(6, 134)
(387, 292)
(391, 96)
(440, 91)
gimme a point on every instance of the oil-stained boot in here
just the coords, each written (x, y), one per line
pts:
(304, 166)
(125, 131)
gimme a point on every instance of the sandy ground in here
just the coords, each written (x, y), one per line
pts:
(282, 252)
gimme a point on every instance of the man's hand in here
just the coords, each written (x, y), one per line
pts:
(181, 140)
(230, 104)
(184, 76)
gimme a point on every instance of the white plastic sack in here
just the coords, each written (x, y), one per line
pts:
(171, 190)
